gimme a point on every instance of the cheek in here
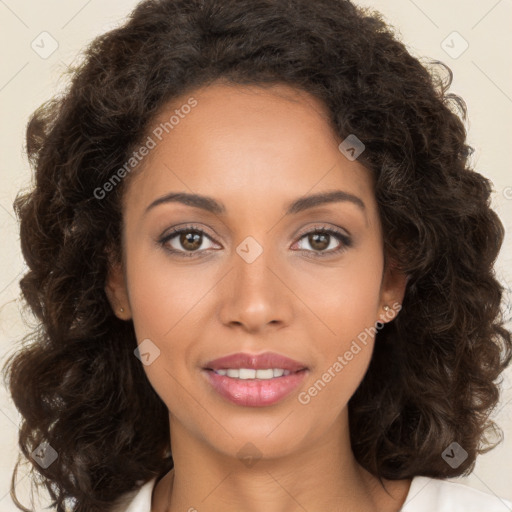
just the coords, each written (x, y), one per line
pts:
(165, 303)
(343, 354)
(164, 306)
(330, 388)
(346, 302)
(345, 298)
(163, 297)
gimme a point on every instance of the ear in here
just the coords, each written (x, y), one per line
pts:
(392, 292)
(117, 292)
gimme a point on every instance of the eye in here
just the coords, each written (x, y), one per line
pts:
(321, 238)
(189, 241)
(186, 241)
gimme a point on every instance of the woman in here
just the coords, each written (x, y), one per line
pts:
(263, 269)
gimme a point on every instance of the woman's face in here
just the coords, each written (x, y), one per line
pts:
(249, 276)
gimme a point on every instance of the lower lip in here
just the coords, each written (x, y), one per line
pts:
(254, 392)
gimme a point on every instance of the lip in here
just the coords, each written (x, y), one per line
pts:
(255, 392)
(255, 362)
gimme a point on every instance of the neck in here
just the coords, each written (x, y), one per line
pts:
(323, 476)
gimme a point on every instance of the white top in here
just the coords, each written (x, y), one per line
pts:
(425, 495)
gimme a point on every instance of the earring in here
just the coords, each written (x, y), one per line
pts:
(386, 308)
(121, 309)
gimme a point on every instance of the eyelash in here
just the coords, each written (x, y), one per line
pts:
(345, 240)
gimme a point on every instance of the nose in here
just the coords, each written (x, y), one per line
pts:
(255, 294)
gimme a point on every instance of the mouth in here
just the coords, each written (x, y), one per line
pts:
(250, 366)
(255, 380)
(253, 374)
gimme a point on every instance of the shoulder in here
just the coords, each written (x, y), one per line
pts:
(138, 500)
(431, 494)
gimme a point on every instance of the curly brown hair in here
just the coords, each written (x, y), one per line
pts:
(431, 380)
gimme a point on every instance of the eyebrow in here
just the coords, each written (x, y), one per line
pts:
(303, 203)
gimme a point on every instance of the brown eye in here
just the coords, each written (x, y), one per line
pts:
(322, 238)
(191, 241)
(186, 241)
(319, 241)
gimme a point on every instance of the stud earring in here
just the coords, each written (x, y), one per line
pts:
(386, 308)
(121, 309)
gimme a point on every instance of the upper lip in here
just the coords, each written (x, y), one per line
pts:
(256, 362)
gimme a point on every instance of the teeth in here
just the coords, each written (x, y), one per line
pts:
(250, 373)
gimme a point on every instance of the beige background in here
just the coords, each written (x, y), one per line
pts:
(482, 76)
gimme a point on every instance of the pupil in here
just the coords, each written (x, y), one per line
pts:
(192, 239)
(315, 243)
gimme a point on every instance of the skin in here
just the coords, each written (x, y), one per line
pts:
(256, 149)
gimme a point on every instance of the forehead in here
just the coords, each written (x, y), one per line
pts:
(250, 144)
